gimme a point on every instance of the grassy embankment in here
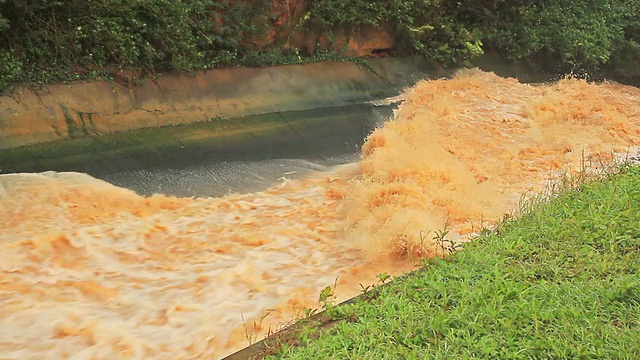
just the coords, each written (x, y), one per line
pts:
(561, 281)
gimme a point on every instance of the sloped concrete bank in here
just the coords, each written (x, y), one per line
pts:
(90, 108)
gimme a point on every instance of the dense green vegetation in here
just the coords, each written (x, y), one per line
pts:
(576, 34)
(45, 39)
(426, 27)
(559, 282)
(48, 40)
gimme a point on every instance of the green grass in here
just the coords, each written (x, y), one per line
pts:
(559, 282)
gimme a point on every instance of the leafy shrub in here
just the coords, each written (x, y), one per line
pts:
(10, 69)
(577, 34)
(81, 36)
(421, 26)
(574, 34)
(583, 34)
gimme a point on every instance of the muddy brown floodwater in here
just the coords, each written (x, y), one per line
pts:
(90, 270)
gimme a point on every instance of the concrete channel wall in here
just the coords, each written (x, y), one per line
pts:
(92, 108)
(87, 109)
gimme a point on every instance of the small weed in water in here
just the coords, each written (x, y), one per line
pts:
(251, 330)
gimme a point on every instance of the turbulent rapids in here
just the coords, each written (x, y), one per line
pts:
(90, 270)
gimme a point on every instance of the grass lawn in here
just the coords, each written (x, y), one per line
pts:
(562, 281)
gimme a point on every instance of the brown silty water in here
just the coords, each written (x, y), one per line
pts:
(90, 270)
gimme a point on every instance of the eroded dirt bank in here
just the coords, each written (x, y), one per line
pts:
(91, 270)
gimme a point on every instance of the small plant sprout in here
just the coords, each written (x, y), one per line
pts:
(309, 312)
(383, 278)
(365, 289)
(327, 296)
(251, 331)
(446, 245)
(326, 299)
